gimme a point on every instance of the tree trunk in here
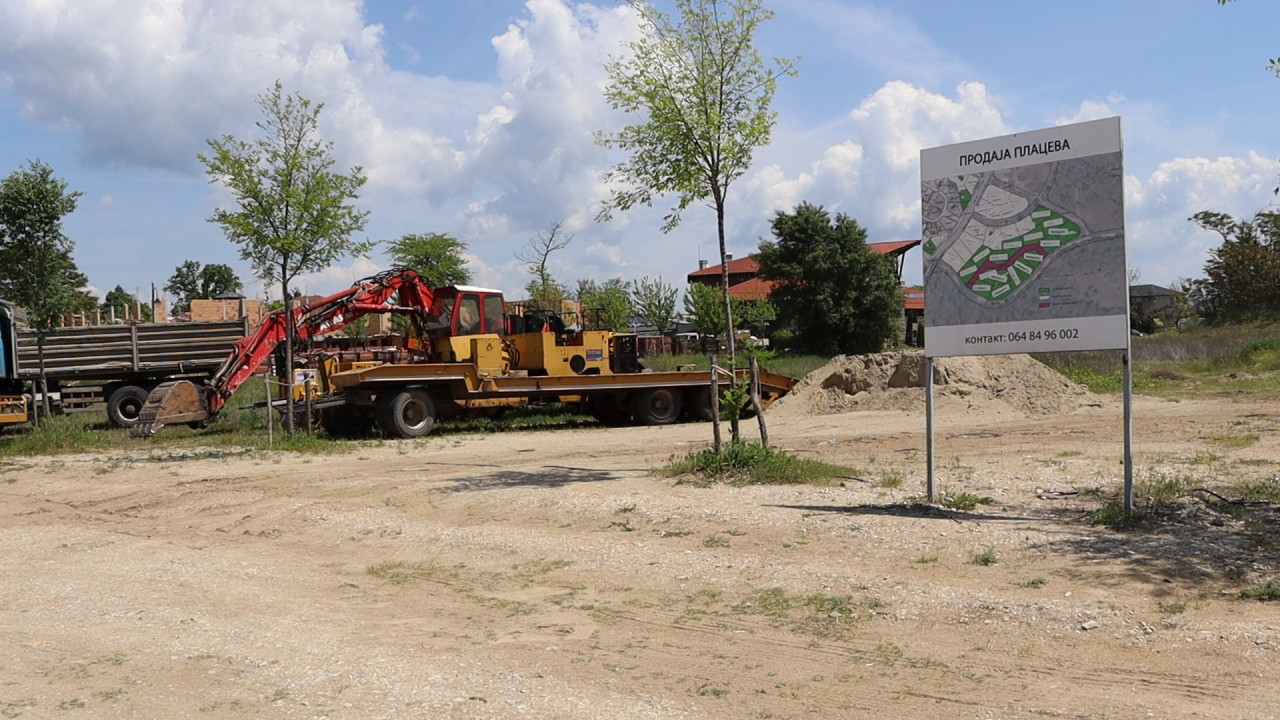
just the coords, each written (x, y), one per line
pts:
(288, 350)
(755, 401)
(728, 303)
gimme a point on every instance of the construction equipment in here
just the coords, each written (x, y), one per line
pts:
(13, 404)
(182, 401)
(468, 357)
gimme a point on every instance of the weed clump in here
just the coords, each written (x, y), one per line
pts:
(742, 463)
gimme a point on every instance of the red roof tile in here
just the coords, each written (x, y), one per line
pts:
(738, 265)
(893, 248)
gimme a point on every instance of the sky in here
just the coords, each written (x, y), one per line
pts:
(477, 119)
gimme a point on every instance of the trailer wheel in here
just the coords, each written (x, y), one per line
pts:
(344, 421)
(406, 413)
(656, 406)
(604, 408)
(124, 406)
(699, 407)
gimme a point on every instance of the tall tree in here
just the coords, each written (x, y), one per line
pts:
(704, 306)
(192, 280)
(545, 292)
(36, 268)
(437, 257)
(704, 94)
(294, 214)
(655, 302)
(1242, 275)
(838, 295)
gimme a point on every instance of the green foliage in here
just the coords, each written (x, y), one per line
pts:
(741, 463)
(1242, 276)
(782, 340)
(437, 257)
(192, 280)
(704, 95)
(36, 269)
(1264, 592)
(607, 306)
(123, 304)
(838, 295)
(986, 557)
(655, 302)
(704, 307)
(294, 213)
(965, 501)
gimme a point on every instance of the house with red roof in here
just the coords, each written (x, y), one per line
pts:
(744, 283)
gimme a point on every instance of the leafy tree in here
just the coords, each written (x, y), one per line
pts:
(704, 95)
(545, 292)
(294, 213)
(191, 280)
(123, 303)
(607, 306)
(655, 302)
(437, 257)
(1242, 276)
(704, 306)
(36, 268)
(838, 295)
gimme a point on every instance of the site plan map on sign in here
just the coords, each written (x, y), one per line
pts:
(1024, 242)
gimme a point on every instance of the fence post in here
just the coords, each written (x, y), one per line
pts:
(715, 405)
(755, 400)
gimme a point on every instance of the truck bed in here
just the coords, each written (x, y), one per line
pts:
(106, 352)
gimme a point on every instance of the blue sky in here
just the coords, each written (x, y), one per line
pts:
(476, 118)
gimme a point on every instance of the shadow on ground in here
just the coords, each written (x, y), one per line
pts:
(550, 476)
(904, 510)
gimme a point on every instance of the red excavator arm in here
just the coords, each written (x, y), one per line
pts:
(183, 401)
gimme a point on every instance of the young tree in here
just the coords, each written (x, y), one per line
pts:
(838, 295)
(191, 280)
(36, 269)
(545, 292)
(437, 257)
(704, 94)
(607, 306)
(1242, 276)
(294, 213)
(704, 306)
(655, 302)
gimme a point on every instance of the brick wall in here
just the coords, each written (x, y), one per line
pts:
(222, 310)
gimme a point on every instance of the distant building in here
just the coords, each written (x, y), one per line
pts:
(744, 283)
(1152, 299)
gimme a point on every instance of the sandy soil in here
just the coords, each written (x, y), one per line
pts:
(551, 575)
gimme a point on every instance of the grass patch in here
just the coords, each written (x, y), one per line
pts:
(398, 572)
(1235, 441)
(753, 464)
(1033, 583)
(965, 501)
(986, 557)
(1265, 592)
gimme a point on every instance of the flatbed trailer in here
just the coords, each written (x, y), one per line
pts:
(405, 400)
(120, 364)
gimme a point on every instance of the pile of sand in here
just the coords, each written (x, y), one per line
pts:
(895, 381)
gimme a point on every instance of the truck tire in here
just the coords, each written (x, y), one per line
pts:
(699, 405)
(345, 421)
(604, 408)
(656, 406)
(406, 413)
(124, 405)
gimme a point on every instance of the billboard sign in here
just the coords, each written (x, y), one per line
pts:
(1024, 243)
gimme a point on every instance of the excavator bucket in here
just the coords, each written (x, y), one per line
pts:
(179, 401)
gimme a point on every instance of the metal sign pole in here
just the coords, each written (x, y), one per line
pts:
(1128, 430)
(928, 427)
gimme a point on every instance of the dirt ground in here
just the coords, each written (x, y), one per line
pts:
(552, 575)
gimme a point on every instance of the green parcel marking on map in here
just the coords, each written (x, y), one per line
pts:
(965, 198)
(999, 271)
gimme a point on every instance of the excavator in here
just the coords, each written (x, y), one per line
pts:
(183, 401)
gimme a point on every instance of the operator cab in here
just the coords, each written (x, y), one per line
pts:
(467, 310)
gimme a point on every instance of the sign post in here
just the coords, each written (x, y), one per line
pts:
(1024, 250)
